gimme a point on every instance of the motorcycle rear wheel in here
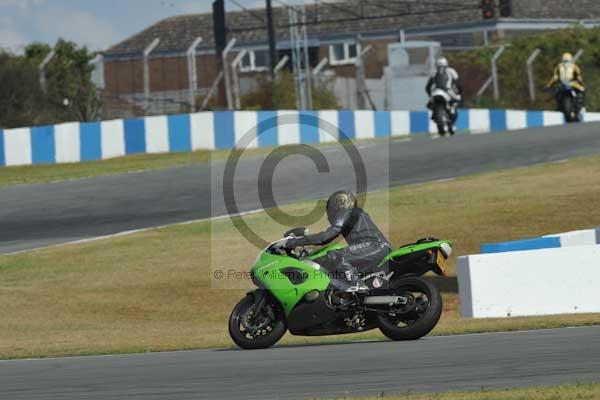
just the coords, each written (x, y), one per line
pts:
(569, 109)
(441, 119)
(256, 332)
(413, 325)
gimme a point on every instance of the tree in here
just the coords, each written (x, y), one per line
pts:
(21, 98)
(70, 93)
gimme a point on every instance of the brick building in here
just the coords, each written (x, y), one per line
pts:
(335, 30)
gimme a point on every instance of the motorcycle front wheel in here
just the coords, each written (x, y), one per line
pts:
(251, 331)
(417, 318)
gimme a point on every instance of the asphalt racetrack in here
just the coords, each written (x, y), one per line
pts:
(39, 215)
(432, 364)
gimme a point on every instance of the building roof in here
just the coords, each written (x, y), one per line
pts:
(350, 17)
(331, 18)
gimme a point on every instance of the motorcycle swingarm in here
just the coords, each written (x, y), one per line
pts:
(385, 300)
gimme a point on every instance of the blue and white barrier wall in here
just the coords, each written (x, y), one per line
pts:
(76, 142)
(527, 283)
(567, 239)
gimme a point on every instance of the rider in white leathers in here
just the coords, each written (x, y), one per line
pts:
(447, 79)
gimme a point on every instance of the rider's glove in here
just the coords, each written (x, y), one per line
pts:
(288, 244)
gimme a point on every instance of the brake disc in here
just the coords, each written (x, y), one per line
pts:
(255, 324)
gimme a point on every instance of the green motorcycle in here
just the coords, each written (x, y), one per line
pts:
(296, 293)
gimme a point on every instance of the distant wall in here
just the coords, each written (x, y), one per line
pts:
(76, 142)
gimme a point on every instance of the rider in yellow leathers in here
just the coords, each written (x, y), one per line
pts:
(569, 74)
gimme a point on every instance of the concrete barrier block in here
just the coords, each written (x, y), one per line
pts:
(400, 123)
(527, 283)
(17, 146)
(577, 238)
(479, 120)
(520, 245)
(202, 127)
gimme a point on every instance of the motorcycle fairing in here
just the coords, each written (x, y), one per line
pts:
(279, 273)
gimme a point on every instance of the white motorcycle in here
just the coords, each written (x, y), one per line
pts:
(443, 107)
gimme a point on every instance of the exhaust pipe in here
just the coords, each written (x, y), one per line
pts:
(385, 300)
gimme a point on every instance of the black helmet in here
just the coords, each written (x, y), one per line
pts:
(338, 203)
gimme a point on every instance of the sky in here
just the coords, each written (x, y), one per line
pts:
(97, 24)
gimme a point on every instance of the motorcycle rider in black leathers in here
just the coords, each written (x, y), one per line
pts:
(367, 246)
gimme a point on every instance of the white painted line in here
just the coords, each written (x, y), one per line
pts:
(131, 232)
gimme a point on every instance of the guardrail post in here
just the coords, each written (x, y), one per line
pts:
(495, 71)
(228, 94)
(193, 72)
(147, 52)
(361, 85)
(530, 77)
(236, 80)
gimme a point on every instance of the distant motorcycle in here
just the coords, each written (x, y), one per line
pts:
(568, 102)
(296, 293)
(443, 111)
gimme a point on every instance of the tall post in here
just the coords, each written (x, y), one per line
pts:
(530, 77)
(226, 75)
(42, 69)
(220, 40)
(300, 57)
(193, 72)
(495, 71)
(236, 80)
(147, 52)
(361, 85)
(272, 40)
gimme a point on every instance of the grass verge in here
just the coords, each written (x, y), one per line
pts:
(564, 392)
(154, 290)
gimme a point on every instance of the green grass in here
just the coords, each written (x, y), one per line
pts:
(564, 392)
(154, 291)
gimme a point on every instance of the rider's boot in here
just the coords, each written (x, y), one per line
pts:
(357, 284)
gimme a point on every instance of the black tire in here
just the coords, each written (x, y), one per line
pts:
(569, 109)
(424, 323)
(274, 330)
(440, 118)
